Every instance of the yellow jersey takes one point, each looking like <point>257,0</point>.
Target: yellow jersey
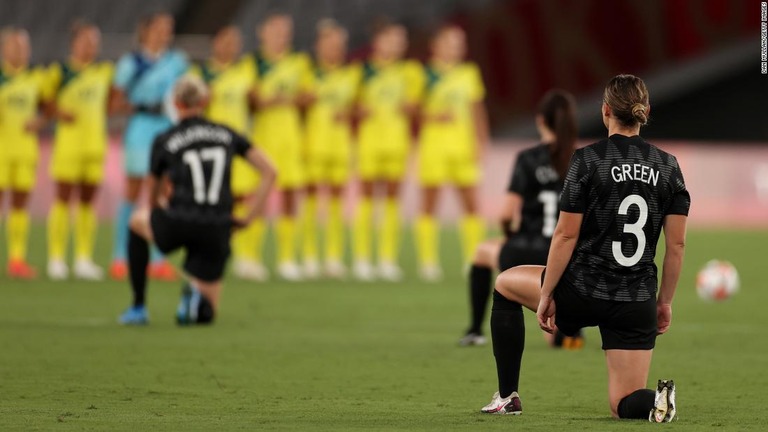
<point>451,93</point>
<point>83,92</point>
<point>385,90</point>
<point>21,92</point>
<point>289,76</point>
<point>229,88</point>
<point>327,120</point>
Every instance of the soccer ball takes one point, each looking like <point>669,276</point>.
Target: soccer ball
<point>718,280</point>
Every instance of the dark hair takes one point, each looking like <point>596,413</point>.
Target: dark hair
<point>558,108</point>
<point>628,98</point>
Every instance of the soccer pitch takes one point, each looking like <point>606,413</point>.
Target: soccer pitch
<point>356,356</point>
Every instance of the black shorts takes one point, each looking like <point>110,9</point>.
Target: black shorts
<point>623,325</point>
<point>515,253</point>
<point>206,244</point>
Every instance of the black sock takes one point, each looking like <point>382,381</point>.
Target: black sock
<point>636,405</point>
<point>479,293</point>
<point>205,312</point>
<point>138,259</point>
<point>508,334</point>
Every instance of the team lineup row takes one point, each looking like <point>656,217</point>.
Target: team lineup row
<point>309,115</point>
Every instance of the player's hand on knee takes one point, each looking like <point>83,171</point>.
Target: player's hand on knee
<point>545,314</point>
<point>663,317</point>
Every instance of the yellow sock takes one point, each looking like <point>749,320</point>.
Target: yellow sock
<point>362,227</point>
<point>472,233</point>
<point>389,239</point>
<point>286,239</point>
<point>310,229</point>
<point>18,233</point>
<point>427,239</point>
<point>86,224</point>
<point>58,231</point>
<point>334,231</point>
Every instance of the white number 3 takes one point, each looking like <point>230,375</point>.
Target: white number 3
<point>635,229</point>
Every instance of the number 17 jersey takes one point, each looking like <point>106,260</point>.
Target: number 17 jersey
<point>624,187</point>
<point>196,155</point>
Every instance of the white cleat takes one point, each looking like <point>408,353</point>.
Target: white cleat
<point>473,339</point>
<point>664,405</point>
<point>57,270</point>
<point>431,273</point>
<point>88,270</point>
<point>335,270</point>
<point>508,405</point>
<point>311,269</point>
<point>390,272</point>
<point>289,271</point>
<point>363,271</point>
<point>250,270</point>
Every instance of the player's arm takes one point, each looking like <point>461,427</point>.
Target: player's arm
<point>511,214</point>
<point>479,112</point>
<point>155,186</point>
<point>674,235</point>
<point>560,252</point>
<point>267,176</point>
<point>480,120</point>
<point>573,203</point>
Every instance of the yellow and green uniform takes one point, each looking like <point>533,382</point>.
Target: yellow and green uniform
<point>327,129</point>
<point>79,148</point>
<point>448,149</point>
<point>384,135</point>
<point>383,146</point>
<point>80,145</point>
<point>328,141</point>
<point>21,91</point>
<point>230,86</point>
<point>278,129</point>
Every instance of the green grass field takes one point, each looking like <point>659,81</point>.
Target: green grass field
<point>348,356</point>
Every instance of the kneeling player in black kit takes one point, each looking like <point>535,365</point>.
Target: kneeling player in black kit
<point>195,158</point>
<point>618,195</point>
<point>529,214</point>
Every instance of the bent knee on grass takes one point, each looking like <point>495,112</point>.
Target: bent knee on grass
<point>521,284</point>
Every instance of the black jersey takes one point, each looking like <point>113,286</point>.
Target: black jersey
<point>624,187</point>
<point>197,157</point>
<point>537,182</point>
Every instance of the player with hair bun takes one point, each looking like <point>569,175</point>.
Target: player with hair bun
<point>618,195</point>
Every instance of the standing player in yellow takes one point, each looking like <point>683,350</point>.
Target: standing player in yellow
<point>79,93</point>
<point>231,80</point>
<point>284,80</point>
<point>453,131</point>
<point>21,91</point>
<point>388,94</point>
<point>328,151</point>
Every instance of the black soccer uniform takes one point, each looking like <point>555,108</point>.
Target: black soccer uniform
<point>533,178</point>
<point>624,187</point>
<point>196,155</point>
